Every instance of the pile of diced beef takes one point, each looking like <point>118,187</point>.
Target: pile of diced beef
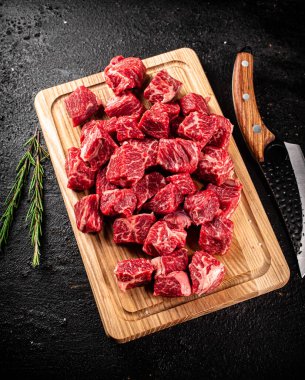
<point>155,173</point>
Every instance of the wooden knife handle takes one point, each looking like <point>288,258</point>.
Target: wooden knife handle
<point>256,134</point>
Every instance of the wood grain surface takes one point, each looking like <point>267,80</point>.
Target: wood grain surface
<point>256,134</point>
<point>255,263</point>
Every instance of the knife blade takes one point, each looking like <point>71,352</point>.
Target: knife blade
<point>282,163</point>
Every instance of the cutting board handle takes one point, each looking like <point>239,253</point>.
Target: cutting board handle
<point>256,134</point>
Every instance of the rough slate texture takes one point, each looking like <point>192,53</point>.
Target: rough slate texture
<point>49,324</point>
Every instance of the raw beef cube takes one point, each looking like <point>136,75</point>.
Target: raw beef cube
<point>171,109</point>
<point>133,229</point>
<point>178,219</point>
<point>177,261</point>
<point>82,104</point>
<point>203,206</point>
<point>174,284</point>
<point>166,200</point>
<point>178,155</point>
<point>162,88</point>
<point>184,182</point>
<point>118,202</point>
<point>194,103</point>
<point>155,124</point>
<point>198,127</point>
<point>126,165</point>
<point>148,186</point>
<point>223,131</point>
<point>80,175</point>
<point>206,273</point>
<point>110,124</point>
<point>97,146</point>
<point>127,128</point>
<point>215,166</point>
<point>124,74</point>
<point>124,105</point>
<point>163,240</point>
<point>87,214</point>
<point>101,183</point>
<point>150,146</point>
<point>132,273</point>
<point>229,194</point>
<point>216,236</point>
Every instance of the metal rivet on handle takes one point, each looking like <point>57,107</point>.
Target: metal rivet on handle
<point>246,96</point>
<point>245,63</point>
<point>257,128</point>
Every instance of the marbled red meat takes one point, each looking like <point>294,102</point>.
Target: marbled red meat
<point>198,127</point>
<point>127,128</point>
<point>184,182</point>
<point>147,187</point>
<point>194,103</point>
<point>215,166</point>
<point>126,165</point>
<point>133,273</point>
<point>174,284</point>
<point>178,155</point>
<point>171,109</point>
<point>162,88</point>
<point>202,206</point>
<point>216,236</point>
<point>87,214</point>
<point>162,240</point>
<point>101,183</point>
<point>166,200</point>
<point>177,261</point>
<point>124,74</point>
<point>81,104</point>
<point>155,124</point>
<point>118,202</point>
<point>150,146</point>
<point>124,105</point>
<point>206,272</point>
<point>80,175</point>
<point>133,229</point>
<point>96,144</point>
<point>229,194</point>
<point>178,219</point>
<point>182,139</point>
<point>223,131</point>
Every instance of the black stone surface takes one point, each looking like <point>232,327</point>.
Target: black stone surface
<point>49,323</point>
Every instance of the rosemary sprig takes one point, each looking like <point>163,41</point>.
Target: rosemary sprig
<point>35,212</point>
<point>34,156</point>
<point>13,199</point>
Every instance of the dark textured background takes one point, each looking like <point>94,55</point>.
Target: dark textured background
<point>49,323</point>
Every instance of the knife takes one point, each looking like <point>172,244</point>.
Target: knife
<point>282,163</point>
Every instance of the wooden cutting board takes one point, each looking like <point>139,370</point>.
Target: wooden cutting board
<point>255,263</point>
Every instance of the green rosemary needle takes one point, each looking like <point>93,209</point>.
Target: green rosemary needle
<point>13,199</point>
